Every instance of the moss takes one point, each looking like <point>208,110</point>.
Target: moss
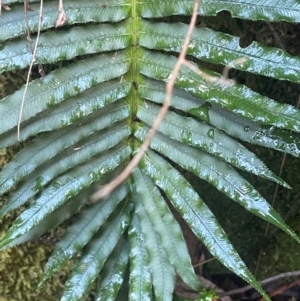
<point>20,271</point>
<point>282,253</point>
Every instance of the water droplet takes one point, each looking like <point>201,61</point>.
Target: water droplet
<point>211,133</point>
<point>257,136</point>
<point>293,147</point>
<point>186,136</point>
<point>124,225</point>
<point>207,105</point>
<point>202,112</point>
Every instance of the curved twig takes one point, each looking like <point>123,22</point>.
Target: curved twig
<point>268,280</point>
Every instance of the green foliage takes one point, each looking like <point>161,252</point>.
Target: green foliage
<point>84,121</point>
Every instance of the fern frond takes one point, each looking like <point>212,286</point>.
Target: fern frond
<point>163,273</point>
<point>64,187</point>
<point>80,233</point>
<point>66,45</point>
<point>56,217</point>
<point>166,228</point>
<point>250,9</point>
<point>220,175</point>
<point>209,139</point>
<point>234,125</point>
<point>73,111</point>
<point>96,253</point>
<point>84,121</point>
<point>219,48</point>
<point>140,276</point>
<point>113,273</point>
<point>236,98</point>
<point>13,25</point>
<point>196,214</point>
<point>41,150</point>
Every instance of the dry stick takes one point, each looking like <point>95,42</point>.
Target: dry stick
<point>207,77</point>
<point>62,18</point>
<point>30,68</point>
<point>203,262</point>
<point>26,24</point>
<point>268,280</point>
<point>231,65</point>
<point>26,8</point>
<point>108,188</point>
<point>281,289</point>
<point>224,80</point>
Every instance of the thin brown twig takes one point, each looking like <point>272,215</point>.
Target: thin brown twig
<point>268,280</point>
<point>30,67</point>
<point>234,63</point>
<point>224,80</point>
<point>203,262</point>
<point>281,289</point>
<point>62,18</point>
<point>28,37</point>
<point>208,78</point>
<point>108,188</point>
<point>26,24</point>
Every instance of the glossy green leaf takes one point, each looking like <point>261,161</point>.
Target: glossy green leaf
<point>232,124</point>
<point>84,40</point>
<point>96,253</point>
<point>167,228</point>
<point>220,48</point>
<point>220,175</point>
<point>64,187</point>
<point>267,10</point>
<point>113,273</point>
<point>207,138</point>
<point>53,219</point>
<point>196,214</point>
<point>211,87</point>
<point>59,85</point>
<point>73,154</point>
<point>102,82</point>
<point>73,112</point>
<point>14,25</point>
<point>163,274</point>
<point>80,233</point>
<point>140,277</point>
